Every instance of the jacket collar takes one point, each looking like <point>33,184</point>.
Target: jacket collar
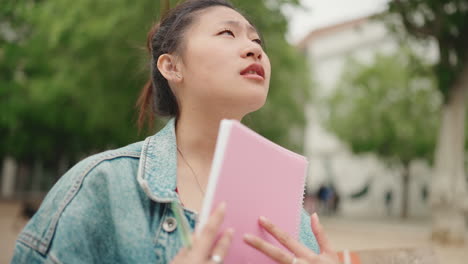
<point>157,170</point>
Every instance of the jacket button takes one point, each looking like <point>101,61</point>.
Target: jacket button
<point>170,224</point>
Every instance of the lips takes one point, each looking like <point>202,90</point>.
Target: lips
<point>254,70</point>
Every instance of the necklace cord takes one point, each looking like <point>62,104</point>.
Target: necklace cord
<point>194,174</point>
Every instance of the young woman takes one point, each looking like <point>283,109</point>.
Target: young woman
<point>115,207</point>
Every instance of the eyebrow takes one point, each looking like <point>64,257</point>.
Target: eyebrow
<point>238,24</point>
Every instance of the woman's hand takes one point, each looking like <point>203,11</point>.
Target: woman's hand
<point>302,254</point>
<point>205,248</point>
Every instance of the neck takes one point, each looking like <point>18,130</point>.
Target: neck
<point>196,135</point>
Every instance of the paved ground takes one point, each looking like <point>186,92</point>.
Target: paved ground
<point>10,225</point>
<point>344,234</point>
<point>375,234</point>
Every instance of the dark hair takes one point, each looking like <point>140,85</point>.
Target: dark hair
<point>156,96</point>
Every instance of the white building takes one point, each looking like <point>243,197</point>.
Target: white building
<point>327,50</point>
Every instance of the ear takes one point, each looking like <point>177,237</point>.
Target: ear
<point>168,67</point>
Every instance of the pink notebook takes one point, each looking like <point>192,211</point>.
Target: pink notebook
<point>255,177</point>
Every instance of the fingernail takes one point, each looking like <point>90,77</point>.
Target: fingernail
<point>315,215</point>
<point>230,230</point>
<point>263,219</point>
<point>222,206</point>
<point>248,236</point>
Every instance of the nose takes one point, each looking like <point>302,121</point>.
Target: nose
<point>252,50</point>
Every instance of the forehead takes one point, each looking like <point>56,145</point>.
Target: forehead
<point>219,15</point>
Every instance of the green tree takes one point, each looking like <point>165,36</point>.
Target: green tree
<point>445,23</point>
<point>388,107</point>
<point>71,73</point>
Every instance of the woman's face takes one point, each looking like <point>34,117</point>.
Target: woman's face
<point>223,64</point>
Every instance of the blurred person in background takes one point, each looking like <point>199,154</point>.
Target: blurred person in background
<point>207,63</point>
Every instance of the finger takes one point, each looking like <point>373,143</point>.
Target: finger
<point>285,239</point>
<point>302,261</point>
<point>207,237</point>
<point>275,253</point>
<point>181,255</point>
<point>222,246</point>
<point>183,252</point>
<point>319,233</point>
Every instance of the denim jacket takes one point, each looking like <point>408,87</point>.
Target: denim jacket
<point>114,207</point>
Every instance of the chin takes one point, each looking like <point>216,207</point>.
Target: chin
<point>254,102</point>
<point>246,100</point>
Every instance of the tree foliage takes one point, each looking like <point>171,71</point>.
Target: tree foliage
<point>446,23</point>
<point>389,107</point>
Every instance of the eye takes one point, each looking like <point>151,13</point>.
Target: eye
<point>226,32</point>
<point>258,41</point>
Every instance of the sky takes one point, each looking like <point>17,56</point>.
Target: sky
<point>319,13</point>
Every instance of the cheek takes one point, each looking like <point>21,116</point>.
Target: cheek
<point>207,57</point>
<point>210,68</point>
<point>268,66</point>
